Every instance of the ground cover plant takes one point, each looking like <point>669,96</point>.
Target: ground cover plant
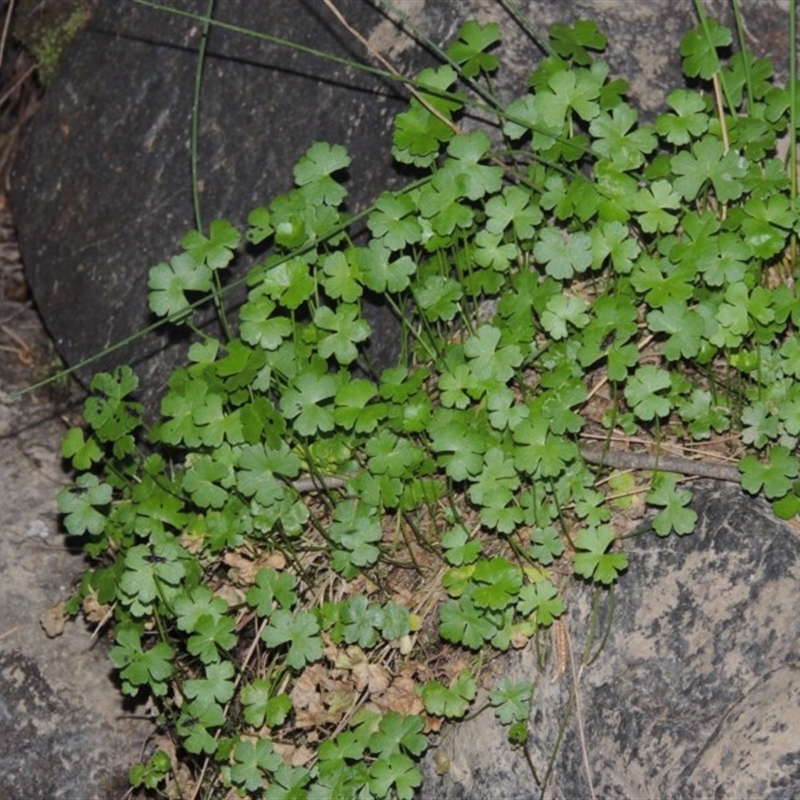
<point>308,566</point>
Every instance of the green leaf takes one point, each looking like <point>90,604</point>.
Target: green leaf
<point>398,772</point>
<point>150,575</point>
<point>81,505</point>
<point>418,134</point>
<point>391,455</point>
<point>258,325</point>
<point>362,622</point>
<point>522,116</point>
<point>616,139</point>
<point>504,408</point>
<point>382,275</point>
<point>207,482</point>
<point>307,402</point>
<point>392,220</point>
<point>168,284</point>
<point>540,454</point>
<point>260,227</point>
<point>767,224</point>
<point>440,203</point>
<point>195,603</point>
<point>577,198</point>
<point>690,120</point>
<point>613,239</point>
<point>699,49</point>
<point>661,281</point>
<point>82,452</point>
<point>288,783</point>
<point>342,277</point>
<point>151,774</point>
<point>353,408</point>
<point>569,91</point>
<point>356,531</point>
<point>395,621</point>
<point>685,328</point>
<point>209,636</point>
<point>492,253</point>
<point>347,746</point>
<point>139,667</point>
<point>258,466</point>
<point>469,50</point>
<point>347,329</point>
<point>288,282</point>
<point>193,726</point>
<point>574,41</point>
<point>214,423</point>
<point>314,171</point>
<point>271,590</point>
<point>466,151</point>
<point>708,161</point>
<point>592,561</point>
<point>216,250</point>
<point>451,702</point>
<point>563,254</point>
<point>516,207</point>
<point>497,482</point>
<point>705,412</point>
<point>733,317</point>
<point>300,631</point>
<point>642,393</point>
<point>775,478</point>
<point>462,454</point>
<point>512,701</point>
<point>217,686</point>
<point>487,359</point>
<point>320,161</point>
<point>563,311</point>
<point>397,734</point>
<point>462,623</point>
<point>498,583</point>
<point>262,706</point>
<point>459,547</point>
<point>438,297</point>
<point>651,204</point>
<point>787,507</point>
<point>253,762</point>
<point>675,515</point>
<point>541,598</point>
<point>546,545</point>
<point>760,425</point>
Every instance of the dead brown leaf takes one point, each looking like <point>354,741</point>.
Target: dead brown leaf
<point>53,620</point>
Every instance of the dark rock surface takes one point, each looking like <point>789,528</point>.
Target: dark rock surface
<point>696,693</point>
<point>102,190</point>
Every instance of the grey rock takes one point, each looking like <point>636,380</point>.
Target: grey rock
<point>695,693</point>
<point>64,729</point>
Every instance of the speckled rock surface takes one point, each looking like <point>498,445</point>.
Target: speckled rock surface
<point>696,693</point>
<point>64,730</point>
<point>102,190</point>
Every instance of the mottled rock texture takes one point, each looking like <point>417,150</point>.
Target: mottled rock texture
<point>64,730</point>
<point>696,692</point>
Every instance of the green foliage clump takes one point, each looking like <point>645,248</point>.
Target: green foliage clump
<point>291,536</point>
